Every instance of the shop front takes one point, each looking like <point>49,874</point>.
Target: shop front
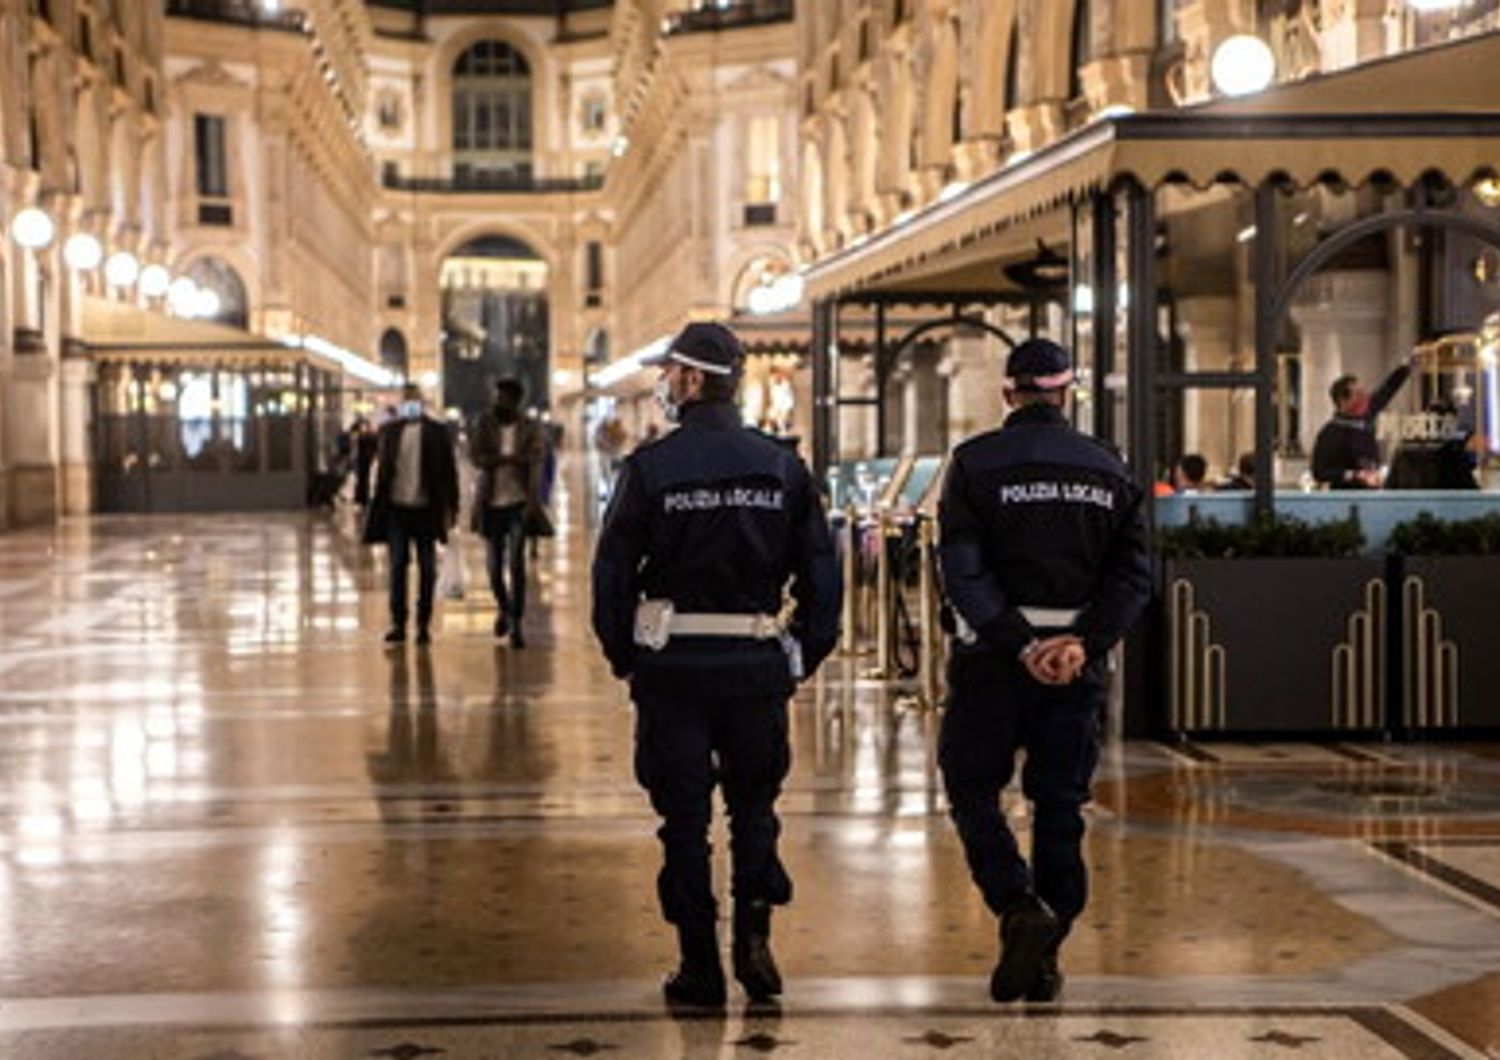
<point>191,417</point>
<point>1222,267</point>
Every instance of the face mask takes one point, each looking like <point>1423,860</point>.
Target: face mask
<point>411,409</point>
<point>669,406</point>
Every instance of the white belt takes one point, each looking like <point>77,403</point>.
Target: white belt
<point>761,627</point>
<point>656,623</point>
<point>1050,617</point>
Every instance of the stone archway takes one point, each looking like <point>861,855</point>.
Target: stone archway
<point>495,321</point>
<point>232,300</point>
<point>393,351</point>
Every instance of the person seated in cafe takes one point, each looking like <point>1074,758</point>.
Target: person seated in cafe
<point>1190,475</point>
<point>1244,474</point>
<point>1346,455</point>
<point>1435,452</point>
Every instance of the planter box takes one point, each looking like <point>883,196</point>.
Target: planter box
<point>1276,646</point>
<point>1449,662</point>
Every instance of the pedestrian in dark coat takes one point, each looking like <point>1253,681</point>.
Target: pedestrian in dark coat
<point>414,505</point>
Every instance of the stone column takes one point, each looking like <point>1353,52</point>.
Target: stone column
<point>1356,31</point>
<point>857,424</point>
<point>30,420</point>
<point>76,385</point>
<point>1345,322</point>
<point>1118,80</point>
<point>31,436</point>
<point>11,202</point>
<point>73,409</point>
<point>1219,424</point>
<point>976,402</point>
<point>1034,127</point>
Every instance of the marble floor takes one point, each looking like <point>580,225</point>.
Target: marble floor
<point>233,825</point>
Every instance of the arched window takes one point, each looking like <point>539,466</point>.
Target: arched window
<point>1081,47</point>
<point>393,350</point>
<point>216,275</point>
<point>491,113</point>
<point>1012,98</point>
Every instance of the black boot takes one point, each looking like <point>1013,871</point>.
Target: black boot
<point>754,966</point>
<point>1049,981</point>
<point>1028,930</point>
<point>699,979</point>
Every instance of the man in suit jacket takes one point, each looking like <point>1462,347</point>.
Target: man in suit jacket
<point>414,505</point>
<point>510,453</point>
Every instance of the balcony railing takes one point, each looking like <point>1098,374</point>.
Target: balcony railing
<point>733,16</point>
<point>492,182</point>
<point>250,13</point>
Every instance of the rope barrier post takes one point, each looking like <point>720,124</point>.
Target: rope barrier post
<point>927,604</point>
<point>848,636</point>
<point>884,599</point>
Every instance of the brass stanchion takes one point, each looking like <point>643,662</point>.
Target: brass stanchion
<point>884,600</point>
<point>929,659</point>
<point>848,635</point>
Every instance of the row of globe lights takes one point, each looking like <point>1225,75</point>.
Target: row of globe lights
<point>35,230</point>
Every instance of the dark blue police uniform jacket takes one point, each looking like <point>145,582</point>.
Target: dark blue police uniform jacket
<point>716,518</point>
<point>1037,514</point>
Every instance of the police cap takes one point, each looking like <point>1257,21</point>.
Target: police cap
<point>709,347</point>
<point>1038,365</point>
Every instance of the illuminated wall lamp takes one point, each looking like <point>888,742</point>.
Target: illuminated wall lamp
<point>122,269</point>
<point>33,229</point>
<point>155,281</point>
<point>83,252</point>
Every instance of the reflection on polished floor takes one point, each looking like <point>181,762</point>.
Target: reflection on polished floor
<point>234,826</point>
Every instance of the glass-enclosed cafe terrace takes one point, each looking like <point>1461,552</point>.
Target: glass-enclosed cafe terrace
<point>1216,270</point>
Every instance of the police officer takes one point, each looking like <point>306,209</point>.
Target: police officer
<point>1045,566</point>
<point>705,529</point>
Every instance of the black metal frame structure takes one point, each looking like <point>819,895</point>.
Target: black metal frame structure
<point>1124,219</point>
<point>829,398</point>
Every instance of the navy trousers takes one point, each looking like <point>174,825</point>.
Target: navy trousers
<point>995,710</point>
<point>505,556</point>
<point>411,531</point>
<point>685,744</point>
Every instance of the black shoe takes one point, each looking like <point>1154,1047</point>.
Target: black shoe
<point>1049,981</point>
<point>502,626</point>
<point>1027,931</point>
<point>696,985</point>
<point>396,635</point>
<point>517,638</point>
<point>424,637</point>
<point>754,966</point>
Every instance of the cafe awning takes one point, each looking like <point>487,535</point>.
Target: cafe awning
<point>113,327</point>
<point>1437,110</point>
<point>118,330</point>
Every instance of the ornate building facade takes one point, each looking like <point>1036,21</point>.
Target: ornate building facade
<point>83,109</point>
<point>441,191</point>
<point>702,192</point>
<point>452,190</point>
<point>910,110</point>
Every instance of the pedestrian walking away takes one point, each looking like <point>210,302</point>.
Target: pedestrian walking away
<point>1045,567</point>
<point>706,529</point>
